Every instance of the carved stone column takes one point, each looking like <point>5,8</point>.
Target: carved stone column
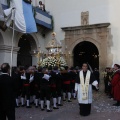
<point>5,54</point>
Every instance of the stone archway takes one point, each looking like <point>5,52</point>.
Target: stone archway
<point>98,34</point>
<point>83,55</point>
<point>27,44</point>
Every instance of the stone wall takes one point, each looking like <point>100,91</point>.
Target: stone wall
<point>98,34</point>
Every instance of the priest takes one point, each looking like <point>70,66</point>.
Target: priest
<point>83,86</point>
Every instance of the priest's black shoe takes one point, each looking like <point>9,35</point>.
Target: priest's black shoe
<point>69,101</point>
<point>116,104</point>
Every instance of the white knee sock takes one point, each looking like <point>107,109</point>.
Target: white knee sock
<point>17,102</point>
<point>42,104</point>
<point>36,102</point>
<point>74,95</point>
<point>22,101</point>
<point>28,102</point>
<point>59,100</point>
<point>69,95</point>
<point>64,95</point>
<point>54,102</point>
<point>48,105</point>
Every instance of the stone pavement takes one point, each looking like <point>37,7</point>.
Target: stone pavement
<point>102,109</point>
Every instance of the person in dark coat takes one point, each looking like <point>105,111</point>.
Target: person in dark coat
<point>26,78</point>
<point>53,74</point>
<point>17,84</point>
<point>45,90</point>
<point>58,84</point>
<point>37,79</point>
<point>72,77</point>
<point>7,98</point>
<point>66,84</point>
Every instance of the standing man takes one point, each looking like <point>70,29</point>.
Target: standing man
<point>17,84</point>
<point>83,87</point>
<point>66,84</point>
<point>7,98</point>
<point>45,90</point>
<point>116,85</point>
<point>72,77</point>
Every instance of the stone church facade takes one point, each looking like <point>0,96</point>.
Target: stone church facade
<point>74,22</point>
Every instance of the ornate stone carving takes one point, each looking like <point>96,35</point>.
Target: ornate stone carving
<point>85,18</point>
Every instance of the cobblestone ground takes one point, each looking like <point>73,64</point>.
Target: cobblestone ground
<point>102,109</point>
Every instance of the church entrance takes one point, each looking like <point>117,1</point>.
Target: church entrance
<point>26,44</point>
<point>86,52</point>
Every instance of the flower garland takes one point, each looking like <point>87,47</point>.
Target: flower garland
<point>52,61</point>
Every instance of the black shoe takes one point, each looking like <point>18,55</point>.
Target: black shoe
<point>116,104</point>
<point>55,108</point>
<point>60,105</point>
<point>22,105</point>
<point>28,107</point>
<point>49,110</point>
<point>36,106</point>
<point>64,100</point>
<point>45,106</point>
<point>42,109</point>
<point>69,101</point>
<point>17,106</point>
<point>74,98</point>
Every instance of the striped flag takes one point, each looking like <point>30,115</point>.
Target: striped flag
<point>24,19</point>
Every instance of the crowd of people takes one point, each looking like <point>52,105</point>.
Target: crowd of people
<point>112,83</point>
<point>39,86</point>
<point>49,86</point>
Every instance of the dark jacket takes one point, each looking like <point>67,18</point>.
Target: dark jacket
<point>7,98</point>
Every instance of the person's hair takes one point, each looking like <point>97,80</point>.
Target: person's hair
<point>40,2</point>
<point>77,68</point>
<point>66,67</point>
<point>56,68</point>
<point>44,70</point>
<point>5,67</point>
<point>22,68</point>
<point>40,69</point>
<point>85,63</point>
<point>50,68</point>
<point>34,66</point>
<point>72,68</point>
<point>117,65</point>
<point>15,69</point>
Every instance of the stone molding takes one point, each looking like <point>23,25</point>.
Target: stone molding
<point>7,49</point>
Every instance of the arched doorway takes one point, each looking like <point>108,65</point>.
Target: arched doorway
<point>86,52</point>
<point>26,44</point>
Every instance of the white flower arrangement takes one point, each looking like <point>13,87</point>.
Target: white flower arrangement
<point>52,61</point>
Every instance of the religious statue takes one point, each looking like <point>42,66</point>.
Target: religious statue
<point>85,18</point>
